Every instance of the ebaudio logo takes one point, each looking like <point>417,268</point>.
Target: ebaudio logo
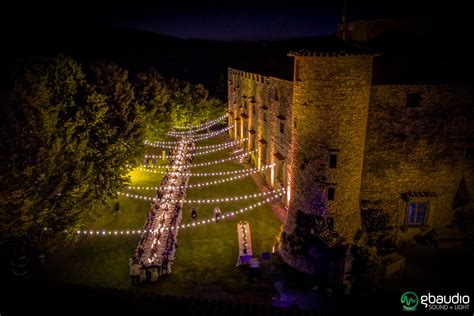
<point>409,301</point>
<point>456,302</point>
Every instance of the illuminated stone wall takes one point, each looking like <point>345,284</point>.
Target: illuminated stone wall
<point>260,109</point>
<point>417,146</point>
<point>386,149</point>
<point>330,107</point>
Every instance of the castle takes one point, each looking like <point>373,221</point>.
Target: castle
<point>405,149</point>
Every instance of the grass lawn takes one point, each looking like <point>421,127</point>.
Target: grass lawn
<point>207,255</point>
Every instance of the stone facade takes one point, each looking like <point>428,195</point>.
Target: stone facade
<point>260,110</point>
<point>342,144</point>
<point>330,108</point>
<point>418,147</point>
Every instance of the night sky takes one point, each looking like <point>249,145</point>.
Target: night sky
<point>218,20</point>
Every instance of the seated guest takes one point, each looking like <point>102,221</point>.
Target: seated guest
<point>164,265</point>
<point>154,273</point>
<point>193,213</point>
<point>217,213</point>
<point>140,251</point>
<point>135,271</point>
<point>148,275</point>
<point>143,274</point>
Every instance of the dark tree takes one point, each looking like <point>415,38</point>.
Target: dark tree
<point>65,147</point>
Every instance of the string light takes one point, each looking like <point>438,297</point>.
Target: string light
<point>204,201</point>
<point>163,144</point>
<point>199,153</point>
<point>136,196</point>
<point>115,232</point>
<point>198,137</point>
<point>226,144</point>
<point>212,134</point>
<point>206,174</point>
<point>166,143</point>
<point>231,214</point>
<point>194,130</point>
<point>222,144</point>
<point>204,163</point>
<point>227,215</point>
<point>204,184</point>
<point>222,160</point>
<point>203,125</point>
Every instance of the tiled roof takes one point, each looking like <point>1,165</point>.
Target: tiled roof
<point>421,194</point>
<point>332,47</point>
<point>335,52</point>
<point>418,194</point>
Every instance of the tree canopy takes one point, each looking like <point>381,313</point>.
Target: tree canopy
<point>70,134</point>
<point>174,103</point>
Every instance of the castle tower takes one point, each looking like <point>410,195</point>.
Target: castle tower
<point>330,108</point>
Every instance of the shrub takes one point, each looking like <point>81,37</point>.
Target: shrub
<point>367,269</point>
<point>374,220</point>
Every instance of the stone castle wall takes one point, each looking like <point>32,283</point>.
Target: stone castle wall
<point>260,108</point>
<point>418,149</point>
<point>392,143</point>
<point>330,108</point>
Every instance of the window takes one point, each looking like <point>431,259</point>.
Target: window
<point>417,213</point>
<point>332,161</point>
<point>294,123</point>
<point>264,116</point>
<point>297,69</point>
<point>281,170</point>
<point>264,154</point>
<point>253,108</point>
<point>282,127</point>
<point>413,100</point>
<point>331,194</point>
<point>469,153</point>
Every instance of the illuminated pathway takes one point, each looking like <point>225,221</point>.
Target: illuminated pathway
<point>157,245</point>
